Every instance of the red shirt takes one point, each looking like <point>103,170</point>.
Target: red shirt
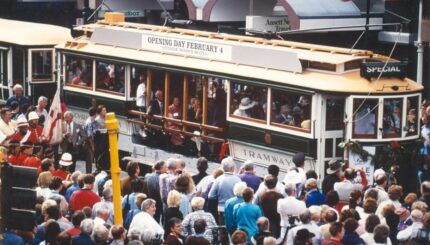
<point>60,173</point>
<point>17,137</point>
<point>75,231</point>
<point>35,133</point>
<point>331,241</point>
<point>32,161</point>
<point>17,159</point>
<point>83,198</point>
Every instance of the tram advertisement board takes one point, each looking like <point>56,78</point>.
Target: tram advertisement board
<point>356,161</point>
<point>370,70</point>
<point>265,156</point>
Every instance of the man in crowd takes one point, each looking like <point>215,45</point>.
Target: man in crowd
<point>84,197</point>
<point>18,97</point>
<point>90,127</point>
<point>74,138</point>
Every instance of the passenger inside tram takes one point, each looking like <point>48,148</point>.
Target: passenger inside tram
<point>175,113</point>
<point>392,116</point>
<point>245,107</point>
<point>411,122</point>
<point>365,119</point>
<point>284,116</point>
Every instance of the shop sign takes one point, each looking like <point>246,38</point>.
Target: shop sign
<point>267,23</point>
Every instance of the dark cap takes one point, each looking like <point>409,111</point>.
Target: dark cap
<point>304,234</point>
<point>299,158</point>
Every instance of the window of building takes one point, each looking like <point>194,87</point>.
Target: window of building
<point>110,77</point>
<point>248,102</point>
<point>365,118</point>
<point>392,119</point>
<point>79,72</point>
<point>41,65</point>
<point>291,110</point>
<point>411,126</point>
<point>335,108</point>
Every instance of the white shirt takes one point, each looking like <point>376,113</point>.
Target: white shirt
<point>316,240</point>
<point>144,221</point>
<point>280,188</point>
<point>203,185</point>
<point>141,95</point>
<point>290,206</point>
<point>345,188</point>
<point>98,221</point>
<point>381,206</point>
<point>382,194</point>
<point>409,232</point>
<point>368,239</point>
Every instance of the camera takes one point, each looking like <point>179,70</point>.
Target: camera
<point>157,240</point>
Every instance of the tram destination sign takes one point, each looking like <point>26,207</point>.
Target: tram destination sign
<point>265,156</point>
<point>371,70</point>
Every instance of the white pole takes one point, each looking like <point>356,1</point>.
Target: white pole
<point>420,46</point>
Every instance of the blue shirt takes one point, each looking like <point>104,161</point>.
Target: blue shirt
<point>251,180</point>
<point>131,200</point>
<point>228,213</point>
<point>352,239</point>
<point>70,191</point>
<point>314,197</point>
<point>246,216</point>
<point>90,127</point>
<point>82,240</point>
<point>11,238</point>
<point>21,101</point>
<point>222,189</point>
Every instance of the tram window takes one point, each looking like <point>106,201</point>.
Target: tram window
<point>411,117</point>
<point>174,110</point>
<point>328,148</point>
<point>338,151</point>
<point>216,109</point>
<point>392,120</point>
<point>334,114</point>
<point>247,101</point>
<point>19,68</point>
<point>79,72</point>
<point>291,110</point>
<point>110,77</point>
<point>364,120</point>
<point>41,64</point>
<point>195,97</point>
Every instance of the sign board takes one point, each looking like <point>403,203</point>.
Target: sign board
<point>189,47</point>
<point>264,156</point>
<point>355,161</point>
<point>370,70</point>
<point>132,13</point>
<point>267,23</point>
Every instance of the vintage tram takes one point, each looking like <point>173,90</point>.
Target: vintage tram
<point>265,99</point>
<point>27,57</point>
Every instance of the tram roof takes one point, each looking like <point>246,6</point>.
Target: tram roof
<point>332,82</point>
<point>28,33</point>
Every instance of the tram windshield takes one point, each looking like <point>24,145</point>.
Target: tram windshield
<point>41,64</point>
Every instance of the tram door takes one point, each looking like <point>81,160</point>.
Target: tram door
<point>4,90</point>
<point>332,128</point>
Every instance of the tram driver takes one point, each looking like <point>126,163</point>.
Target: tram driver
<point>365,121</point>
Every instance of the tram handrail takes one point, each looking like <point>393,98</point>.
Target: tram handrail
<point>209,139</point>
<point>178,122</point>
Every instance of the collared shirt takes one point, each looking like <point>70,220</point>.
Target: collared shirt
<point>191,218</point>
<point>167,183</point>
<point>222,189</point>
<point>251,180</point>
<point>7,128</point>
<point>91,127</point>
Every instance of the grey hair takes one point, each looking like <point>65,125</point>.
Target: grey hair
<point>228,164</point>
<point>147,203</point>
<point>290,188</point>
<point>238,188</point>
<point>68,113</point>
<point>147,235</point>
<point>269,241</point>
<point>171,163</point>
<point>101,234</point>
<point>305,217</point>
<point>42,98</point>
<point>48,203</point>
<point>248,165</point>
<point>102,210</point>
<point>107,193</point>
<point>75,176</point>
<point>87,226</point>
<point>197,203</point>
<point>134,234</point>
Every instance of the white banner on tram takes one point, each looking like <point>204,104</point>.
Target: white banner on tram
<point>355,161</point>
<point>265,156</point>
<point>189,47</point>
